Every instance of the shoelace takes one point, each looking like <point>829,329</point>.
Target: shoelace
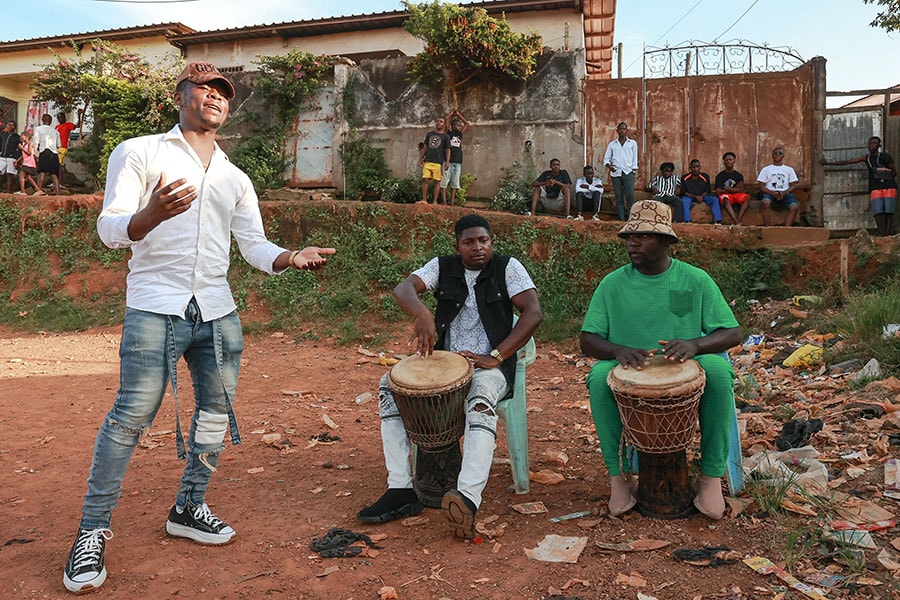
<point>88,547</point>
<point>202,513</point>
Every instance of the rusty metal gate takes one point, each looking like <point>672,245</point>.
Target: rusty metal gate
<point>311,144</point>
<point>845,198</point>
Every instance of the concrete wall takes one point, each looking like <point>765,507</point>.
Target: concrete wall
<point>396,115</point>
<point>681,118</point>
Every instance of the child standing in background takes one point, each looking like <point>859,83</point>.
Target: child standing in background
<point>28,167</point>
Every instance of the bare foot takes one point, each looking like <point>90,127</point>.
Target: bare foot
<point>710,500</point>
<point>621,499</point>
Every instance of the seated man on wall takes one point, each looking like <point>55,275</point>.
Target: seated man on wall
<point>588,192</point>
<point>695,187</point>
<point>660,305</point>
<point>730,189</point>
<point>666,188</point>
<point>551,188</point>
<point>778,182</point>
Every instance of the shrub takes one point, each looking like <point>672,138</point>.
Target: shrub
<point>514,192</point>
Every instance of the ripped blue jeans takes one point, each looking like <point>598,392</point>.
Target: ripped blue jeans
<point>151,347</point>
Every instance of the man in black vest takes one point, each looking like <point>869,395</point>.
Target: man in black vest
<point>476,293</point>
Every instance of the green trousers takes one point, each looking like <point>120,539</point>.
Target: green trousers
<point>716,409</point>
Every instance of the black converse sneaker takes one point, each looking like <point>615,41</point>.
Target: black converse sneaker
<point>199,524</point>
<point>85,571</point>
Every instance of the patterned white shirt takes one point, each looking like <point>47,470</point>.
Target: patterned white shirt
<point>466,331</point>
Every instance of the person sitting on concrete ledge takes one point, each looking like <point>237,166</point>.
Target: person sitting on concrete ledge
<point>666,188</point>
<point>730,189</point>
<point>588,193</point>
<point>551,188</point>
<point>778,182</point>
<point>695,187</point>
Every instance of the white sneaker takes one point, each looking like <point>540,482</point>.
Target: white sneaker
<point>596,217</point>
<point>527,213</point>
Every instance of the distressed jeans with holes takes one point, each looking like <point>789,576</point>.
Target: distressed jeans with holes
<point>151,345</point>
<point>488,387</point>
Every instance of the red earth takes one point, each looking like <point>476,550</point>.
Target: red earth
<point>56,388</point>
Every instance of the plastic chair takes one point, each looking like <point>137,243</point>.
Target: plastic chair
<point>734,465</point>
<point>515,418</point>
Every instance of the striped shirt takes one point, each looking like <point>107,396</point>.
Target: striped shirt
<point>665,185</point>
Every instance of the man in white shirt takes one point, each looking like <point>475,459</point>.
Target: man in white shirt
<point>588,192</point>
<point>178,304</point>
<point>46,137</point>
<point>621,160</point>
<point>778,182</point>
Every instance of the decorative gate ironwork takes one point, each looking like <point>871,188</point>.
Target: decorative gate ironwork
<point>701,58</point>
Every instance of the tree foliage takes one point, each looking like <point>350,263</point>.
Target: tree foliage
<point>888,18</point>
<point>123,94</point>
<point>291,80</point>
<point>464,43</point>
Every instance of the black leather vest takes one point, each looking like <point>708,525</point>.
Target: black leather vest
<point>491,296</point>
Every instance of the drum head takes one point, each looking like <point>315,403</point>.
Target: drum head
<point>660,372</point>
<point>439,370</point>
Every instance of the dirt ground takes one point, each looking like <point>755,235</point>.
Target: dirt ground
<point>56,389</point>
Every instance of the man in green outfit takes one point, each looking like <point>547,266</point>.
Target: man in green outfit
<point>660,305</point>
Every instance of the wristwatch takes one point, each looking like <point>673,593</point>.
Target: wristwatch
<point>496,354</point>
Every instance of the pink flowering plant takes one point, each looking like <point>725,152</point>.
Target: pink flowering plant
<point>291,80</point>
<point>115,93</point>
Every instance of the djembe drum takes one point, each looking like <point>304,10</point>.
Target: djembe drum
<point>659,406</point>
<point>430,393</point>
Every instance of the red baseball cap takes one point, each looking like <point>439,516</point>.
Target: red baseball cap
<point>204,72</point>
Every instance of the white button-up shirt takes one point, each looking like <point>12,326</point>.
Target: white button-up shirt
<point>624,157</point>
<point>188,255</point>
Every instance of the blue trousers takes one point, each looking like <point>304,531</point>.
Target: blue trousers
<point>151,347</point>
<point>714,206</point>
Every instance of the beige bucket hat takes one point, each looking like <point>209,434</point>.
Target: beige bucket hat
<point>649,216</point>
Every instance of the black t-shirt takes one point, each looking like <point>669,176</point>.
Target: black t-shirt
<point>454,138</point>
<point>875,161</point>
<point>695,186</point>
<point>562,177</point>
<point>728,180</point>
<point>435,147</point>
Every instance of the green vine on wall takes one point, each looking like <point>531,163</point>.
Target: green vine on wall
<point>287,83</point>
<point>120,92</point>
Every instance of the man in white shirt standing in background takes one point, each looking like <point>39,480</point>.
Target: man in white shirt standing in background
<point>179,304</point>
<point>621,159</point>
